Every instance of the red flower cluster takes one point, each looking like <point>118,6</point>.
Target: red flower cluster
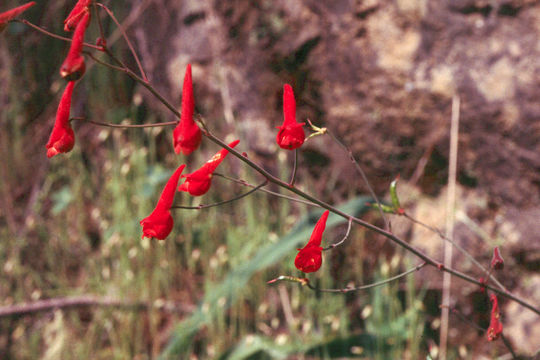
<point>160,222</point>
<point>495,326</point>
<point>291,135</point>
<point>309,258</point>
<point>73,67</point>
<point>13,13</point>
<point>187,135</point>
<point>62,137</point>
<point>197,183</point>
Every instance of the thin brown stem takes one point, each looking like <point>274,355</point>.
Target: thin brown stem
<point>16,310</point>
<point>127,126</point>
<point>124,34</point>
<point>100,25</point>
<point>364,177</point>
<point>202,206</point>
<point>342,240</point>
<point>295,165</point>
<point>245,183</point>
<point>457,246</point>
<point>48,33</point>
<point>369,286</point>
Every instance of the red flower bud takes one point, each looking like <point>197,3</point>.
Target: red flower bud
<point>73,67</point>
<point>62,137</point>
<point>495,326</point>
<point>13,13</point>
<point>198,183</point>
<point>309,258</point>
<point>160,222</point>
<point>291,135</point>
<point>75,16</point>
<point>187,135</point>
<point>497,261</point>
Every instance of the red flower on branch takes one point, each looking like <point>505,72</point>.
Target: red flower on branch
<point>495,326</point>
<point>309,258</point>
<point>497,261</point>
<point>62,137</point>
<point>76,14</point>
<point>291,135</point>
<point>198,183</point>
<point>159,223</point>
<point>187,135</point>
<point>73,67</point>
<point>13,13</point>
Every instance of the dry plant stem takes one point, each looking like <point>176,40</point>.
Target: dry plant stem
<point>119,126</point>
<point>457,246</point>
<point>450,220</point>
<point>48,33</point>
<point>100,25</point>
<point>369,286</point>
<point>245,183</point>
<point>293,176</point>
<point>202,206</point>
<point>120,27</point>
<point>364,177</point>
<point>82,301</point>
<point>342,240</point>
<point>329,207</point>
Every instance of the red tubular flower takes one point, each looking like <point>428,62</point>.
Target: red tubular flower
<point>62,137</point>
<point>73,67</point>
<point>309,258</point>
<point>80,8</point>
<point>187,135</point>
<point>495,326</point>
<point>160,222</point>
<point>497,261</point>
<point>13,13</point>
<point>291,135</point>
<point>197,183</point>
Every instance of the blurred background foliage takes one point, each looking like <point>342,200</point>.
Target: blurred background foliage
<point>69,225</point>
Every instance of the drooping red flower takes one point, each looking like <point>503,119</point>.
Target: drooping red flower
<point>495,326</point>
<point>13,13</point>
<point>497,261</point>
<point>197,183</point>
<point>73,67</point>
<point>62,136</point>
<point>187,135</point>
<point>159,223</point>
<point>76,14</point>
<point>291,134</point>
<point>309,258</point>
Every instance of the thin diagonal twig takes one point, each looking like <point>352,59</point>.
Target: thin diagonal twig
<point>202,206</point>
<point>124,34</point>
<point>369,286</point>
<point>126,126</point>
<point>342,240</point>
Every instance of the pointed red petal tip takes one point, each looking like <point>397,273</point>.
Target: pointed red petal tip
<point>198,183</point>
<point>309,258</point>
<point>74,67</point>
<point>76,14</point>
<point>187,136</point>
<point>159,223</point>
<point>497,261</point>
<point>62,138</point>
<point>13,13</point>
<point>291,134</point>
